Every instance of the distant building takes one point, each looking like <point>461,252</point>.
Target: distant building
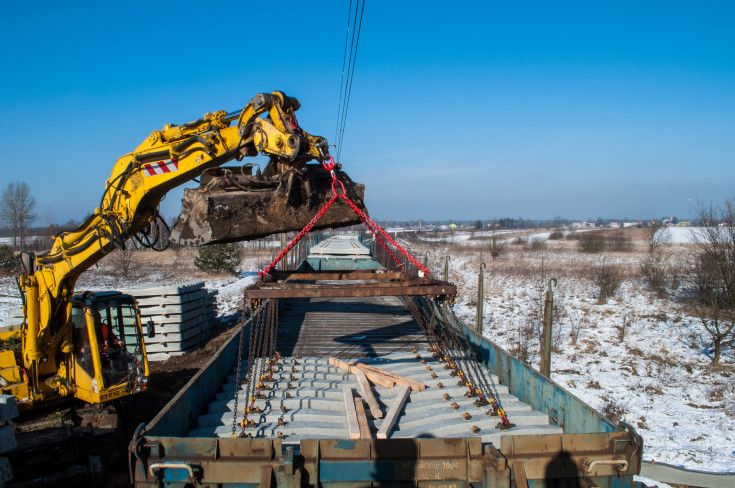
<point>583,225</point>
<point>684,223</point>
<point>614,225</point>
<point>635,223</point>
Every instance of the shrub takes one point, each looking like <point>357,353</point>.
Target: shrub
<point>497,246</point>
<point>619,242</point>
<point>219,258</point>
<point>538,245</point>
<point>519,241</point>
<point>612,409</point>
<point>592,242</point>
<point>573,236</point>
<point>654,270</point>
<point>556,235</point>
<point>608,278</point>
<point>8,261</point>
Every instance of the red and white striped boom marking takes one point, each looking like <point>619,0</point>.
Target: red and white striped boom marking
<point>161,167</point>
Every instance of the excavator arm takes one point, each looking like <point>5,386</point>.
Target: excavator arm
<point>129,205</point>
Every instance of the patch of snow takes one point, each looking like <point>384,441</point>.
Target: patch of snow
<point>680,235</point>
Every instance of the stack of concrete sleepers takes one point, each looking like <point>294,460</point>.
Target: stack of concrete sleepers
<point>14,320</point>
<point>8,411</point>
<point>184,315</point>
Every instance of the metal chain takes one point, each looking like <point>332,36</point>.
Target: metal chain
<point>237,375</point>
<point>374,228</point>
<point>259,340</point>
<point>366,220</point>
<point>254,324</point>
<point>298,237</point>
<point>457,354</point>
<point>488,392</point>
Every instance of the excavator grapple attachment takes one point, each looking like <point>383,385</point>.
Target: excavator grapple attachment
<point>231,204</point>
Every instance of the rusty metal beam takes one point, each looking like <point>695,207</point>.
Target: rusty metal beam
<point>299,286</point>
<point>336,275</point>
<point>411,288</point>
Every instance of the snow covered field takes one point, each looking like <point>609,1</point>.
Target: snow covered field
<point>654,373</point>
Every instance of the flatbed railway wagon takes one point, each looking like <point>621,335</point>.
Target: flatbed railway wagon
<point>350,374</point>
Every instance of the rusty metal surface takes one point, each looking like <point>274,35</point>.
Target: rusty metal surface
<point>286,290</point>
<point>242,210</point>
<point>333,284</point>
<point>336,275</point>
<point>574,456</point>
<point>435,463</point>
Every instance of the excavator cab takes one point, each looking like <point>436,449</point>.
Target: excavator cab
<point>109,357</point>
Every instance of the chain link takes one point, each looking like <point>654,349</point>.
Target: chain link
<point>238,384</point>
<point>296,239</point>
<point>372,226</point>
<point>261,352</point>
<point>458,354</point>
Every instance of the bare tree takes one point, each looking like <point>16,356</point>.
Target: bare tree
<point>123,258</point>
<point>720,326</point>
<point>16,210</point>
<point>497,244</point>
<point>714,259</point>
<point>714,274</point>
<point>655,267</point>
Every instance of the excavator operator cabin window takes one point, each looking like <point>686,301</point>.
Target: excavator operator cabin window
<point>82,350</point>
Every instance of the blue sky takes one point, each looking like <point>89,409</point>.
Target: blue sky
<point>458,110</point>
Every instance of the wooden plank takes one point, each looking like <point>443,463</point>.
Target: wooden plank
<point>398,379</point>
<point>367,394</point>
<point>395,409</point>
<point>352,425</point>
<point>362,420</point>
<point>375,378</point>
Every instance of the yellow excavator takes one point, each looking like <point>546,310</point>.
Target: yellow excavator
<point>90,346</point>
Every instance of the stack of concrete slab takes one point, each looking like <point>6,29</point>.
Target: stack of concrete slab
<point>184,315</point>
<point>13,321</point>
<point>8,411</point>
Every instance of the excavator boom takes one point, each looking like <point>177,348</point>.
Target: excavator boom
<point>231,204</point>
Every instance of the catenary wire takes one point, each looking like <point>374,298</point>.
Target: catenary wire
<point>346,87</point>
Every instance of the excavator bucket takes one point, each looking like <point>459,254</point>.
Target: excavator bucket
<point>232,204</point>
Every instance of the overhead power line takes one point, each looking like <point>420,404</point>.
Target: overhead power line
<point>353,40</point>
